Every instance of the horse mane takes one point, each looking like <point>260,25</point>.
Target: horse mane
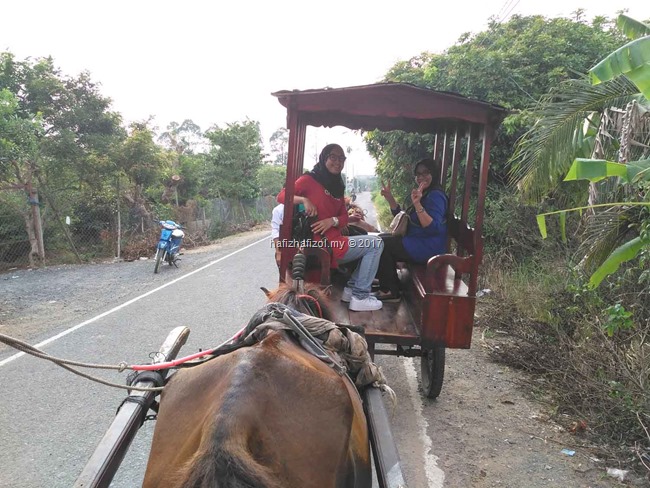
<point>222,467</point>
<point>286,295</point>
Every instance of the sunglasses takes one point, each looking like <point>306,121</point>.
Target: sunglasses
<point>334,157</point>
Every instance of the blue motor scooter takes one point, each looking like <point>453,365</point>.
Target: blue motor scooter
<point>169,245</point>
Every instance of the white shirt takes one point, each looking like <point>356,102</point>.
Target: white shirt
<point>276,221</point>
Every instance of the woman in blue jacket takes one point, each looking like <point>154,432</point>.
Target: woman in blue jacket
<point>427,229</point>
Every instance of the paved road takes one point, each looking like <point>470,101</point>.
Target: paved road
<point>51,421</point>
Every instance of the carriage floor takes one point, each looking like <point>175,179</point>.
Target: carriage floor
<point>393,324</point>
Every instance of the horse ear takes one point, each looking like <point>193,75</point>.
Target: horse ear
<point>266,292</point>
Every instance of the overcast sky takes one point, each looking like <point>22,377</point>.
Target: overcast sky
<point>218,62</point>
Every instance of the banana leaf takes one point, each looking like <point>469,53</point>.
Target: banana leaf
<point>595,170</point>
<point>631,60</point>
<point>541,223</point>
<point>633,29</point>
<point>621,254</point>
<point>541,218</point>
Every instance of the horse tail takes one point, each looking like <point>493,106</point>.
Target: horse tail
<point>226,464</point>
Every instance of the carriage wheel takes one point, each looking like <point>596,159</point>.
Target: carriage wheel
<point>432,367</point>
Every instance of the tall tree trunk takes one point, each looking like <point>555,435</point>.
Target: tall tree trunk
<point>34,224</point>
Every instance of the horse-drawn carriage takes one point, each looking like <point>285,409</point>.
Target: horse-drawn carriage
<point>437,308</point>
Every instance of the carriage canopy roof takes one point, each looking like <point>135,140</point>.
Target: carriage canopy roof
<point>389,106</point>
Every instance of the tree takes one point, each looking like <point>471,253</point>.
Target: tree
<point>61,134</point>
<point>511,64</point>
<point>144,163</point>
<point>19,153</point>
<point>279,141</point>
<point>271,179</point>
<point>183,140</point>
<point>233,161</point>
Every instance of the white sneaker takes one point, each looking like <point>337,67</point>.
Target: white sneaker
<point>365,305</point>
<point>347,295</point>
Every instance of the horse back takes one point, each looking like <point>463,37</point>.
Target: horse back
<point>271,415</point>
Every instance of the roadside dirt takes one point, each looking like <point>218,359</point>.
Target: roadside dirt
<point>486,430</point>
<point>493,431</point>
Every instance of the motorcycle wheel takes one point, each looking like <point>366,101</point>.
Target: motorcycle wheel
<point>159,257</point>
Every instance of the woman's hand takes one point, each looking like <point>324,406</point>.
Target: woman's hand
<point>322,225</point>
<point>310,208</point>
<point>385,191</point>
<point>416,195</point>
<point>388,195</point>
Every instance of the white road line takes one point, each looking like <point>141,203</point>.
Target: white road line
<point>435,475</point>
<point>126,304</point>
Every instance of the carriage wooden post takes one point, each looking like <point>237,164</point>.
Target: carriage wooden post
<point>437,309</point>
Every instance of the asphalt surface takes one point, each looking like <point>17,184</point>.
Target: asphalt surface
<point>51,420</point>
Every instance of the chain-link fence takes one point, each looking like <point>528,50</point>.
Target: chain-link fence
<point>80,231</point>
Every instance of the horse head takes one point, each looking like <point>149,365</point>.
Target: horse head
<point>311,300</point>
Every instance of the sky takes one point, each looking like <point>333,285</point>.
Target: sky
<point>218,62</point>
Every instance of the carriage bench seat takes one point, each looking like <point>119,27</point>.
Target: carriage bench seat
<point>447,309</point>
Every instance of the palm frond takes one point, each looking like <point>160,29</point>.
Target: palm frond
<point>544,154</point>
<point>601,236</point>
<point>606,231</point>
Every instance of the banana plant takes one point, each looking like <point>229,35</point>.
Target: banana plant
<point>632,61</point>
<point>595,170</point>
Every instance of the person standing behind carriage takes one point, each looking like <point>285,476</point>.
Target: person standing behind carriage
<point>426,235</point>
<point>276,221</point>
<point>321,192</point>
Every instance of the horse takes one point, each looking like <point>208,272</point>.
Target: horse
<point>270,415</point>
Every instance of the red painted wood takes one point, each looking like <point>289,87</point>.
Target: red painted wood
<point>388,106</point>
<point>446,156</point>
<point>439,307</point>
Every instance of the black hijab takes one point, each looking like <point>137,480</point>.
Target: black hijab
<point>332,183</point>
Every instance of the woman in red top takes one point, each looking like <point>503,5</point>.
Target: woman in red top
<point>321,192</point>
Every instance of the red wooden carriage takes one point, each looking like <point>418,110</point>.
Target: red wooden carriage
<point>437,310</point>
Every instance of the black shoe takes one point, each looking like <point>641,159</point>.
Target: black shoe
<point>388,296</point>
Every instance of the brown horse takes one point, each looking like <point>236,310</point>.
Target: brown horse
<point>269,415</point>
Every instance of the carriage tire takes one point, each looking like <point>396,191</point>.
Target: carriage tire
<point>432,367</point>
<point>159,257</point>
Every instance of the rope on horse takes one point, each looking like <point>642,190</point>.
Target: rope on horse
<point>66,363</point>
<point>315,334</point>
<point>348,350</point>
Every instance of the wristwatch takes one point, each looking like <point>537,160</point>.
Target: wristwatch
<point>336,221</point>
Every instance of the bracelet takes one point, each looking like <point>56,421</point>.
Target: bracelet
<point>420,211</point>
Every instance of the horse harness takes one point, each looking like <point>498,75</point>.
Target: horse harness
<point>276,316</point>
